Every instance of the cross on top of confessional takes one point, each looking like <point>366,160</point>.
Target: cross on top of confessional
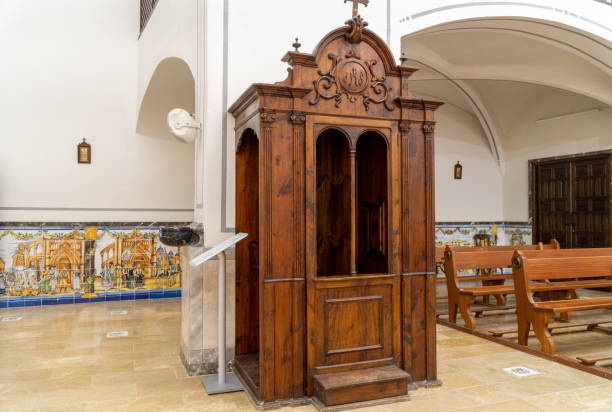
<point>356,4</point>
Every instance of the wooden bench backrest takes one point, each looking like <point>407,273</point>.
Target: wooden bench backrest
<point>440,251</point>
<point>552,253</point>
<point>578,266</point>
<point>568,264</point>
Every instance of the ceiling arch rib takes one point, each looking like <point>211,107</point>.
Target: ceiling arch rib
<point>520,50</point>
<point>487,122</point>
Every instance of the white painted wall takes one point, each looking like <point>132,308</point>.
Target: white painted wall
<point>70,70</point>
<point>578,133</point>
<point>478,196</point>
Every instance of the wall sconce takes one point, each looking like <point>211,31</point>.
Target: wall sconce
<point>84,152</point>
<point>458,170</point>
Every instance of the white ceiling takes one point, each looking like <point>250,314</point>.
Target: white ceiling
<point>510,70</point>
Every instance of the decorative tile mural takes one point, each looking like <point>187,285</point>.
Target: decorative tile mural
<point>47,266</point>
<point>462,234</point>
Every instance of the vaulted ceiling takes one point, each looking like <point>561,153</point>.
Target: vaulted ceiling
<point>509,70</point>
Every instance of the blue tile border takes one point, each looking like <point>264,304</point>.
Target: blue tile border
<point>49,300</point>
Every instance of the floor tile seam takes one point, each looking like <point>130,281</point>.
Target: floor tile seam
<point>558,393</point>
<point>489,404</point>
<point>443,390</point>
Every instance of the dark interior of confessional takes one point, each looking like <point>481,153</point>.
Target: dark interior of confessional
<point>334,182</point>
<point>247,256</point>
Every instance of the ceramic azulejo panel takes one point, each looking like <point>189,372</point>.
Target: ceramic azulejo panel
<point>67,265</point>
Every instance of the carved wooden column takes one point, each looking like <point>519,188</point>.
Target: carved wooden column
<point>298,119</point>
<point>430,285</point>
<point>267,118</point>
<point>353,246</point>
<point>266,350</point>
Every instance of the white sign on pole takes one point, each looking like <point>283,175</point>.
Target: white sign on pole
<point>210,253</point>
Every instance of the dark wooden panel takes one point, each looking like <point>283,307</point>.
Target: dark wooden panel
<point>352,321</point>
<point>553,203</point>
<point>591,204</point>
<point>333,203</point>
<point>353,324</point>
<point>372,199</point>
<point>282,187</point>
<point>247,252</point>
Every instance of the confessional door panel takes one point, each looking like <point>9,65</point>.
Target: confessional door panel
<point>353,318</point>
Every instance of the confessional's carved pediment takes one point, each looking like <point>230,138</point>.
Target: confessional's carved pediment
<point>353,67</point>
<point>353,78</point>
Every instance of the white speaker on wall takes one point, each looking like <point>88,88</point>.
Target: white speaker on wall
<point>183,125</point>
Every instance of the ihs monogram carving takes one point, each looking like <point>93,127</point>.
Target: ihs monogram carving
<point>429,127</point>
<point>267,116</point>
<point>297,117</point>
<point>352,77</point>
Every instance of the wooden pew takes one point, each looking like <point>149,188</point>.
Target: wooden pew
<point>440,251</point>
<point>461,258</point>
<point>533,273</point>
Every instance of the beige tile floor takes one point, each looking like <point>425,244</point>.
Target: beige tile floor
<point>59,359</point>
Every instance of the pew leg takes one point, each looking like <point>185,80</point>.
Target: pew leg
<point>523,331</point>
<point>540,327</point>
<point>501,300</point>
<point>466,313</point>
<point>452,310</point>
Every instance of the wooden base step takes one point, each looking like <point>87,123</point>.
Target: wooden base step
<point>361,385</point>
<point>593,358</point>
<point>593,325</point>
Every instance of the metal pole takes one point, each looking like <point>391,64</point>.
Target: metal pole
<point>221,374</point>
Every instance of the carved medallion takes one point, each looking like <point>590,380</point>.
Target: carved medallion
<point>354,78</point>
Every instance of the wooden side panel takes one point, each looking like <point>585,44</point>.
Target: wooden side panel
<point>418,257</point>
<point>247,252</point>
<point>281,220</point>
<point>282,276</point>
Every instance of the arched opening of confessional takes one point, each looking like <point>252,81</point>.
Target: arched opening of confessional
<point>247,252</point>
<point>333,208</point>
<point>372,203</point>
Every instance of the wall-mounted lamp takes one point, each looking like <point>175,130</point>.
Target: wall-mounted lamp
<point>458,170</point>
<point>84,152</point>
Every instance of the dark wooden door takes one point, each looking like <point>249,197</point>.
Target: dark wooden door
<point>553,203</point>
<point>572,201</point>
<point>591,202</point>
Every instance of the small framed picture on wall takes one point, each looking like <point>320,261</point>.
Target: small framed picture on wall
<point>84,152</point>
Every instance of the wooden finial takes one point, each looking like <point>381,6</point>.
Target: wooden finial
<point>356,5</point>
<point>297,45</point>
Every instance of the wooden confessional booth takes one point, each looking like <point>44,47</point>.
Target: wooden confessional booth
<point>335,285</point>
